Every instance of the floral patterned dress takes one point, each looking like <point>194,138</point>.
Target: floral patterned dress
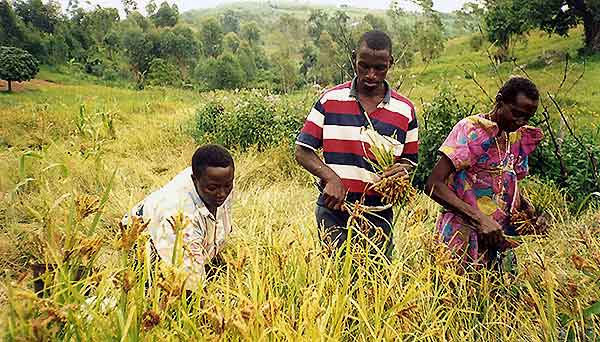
<point>487,171</point>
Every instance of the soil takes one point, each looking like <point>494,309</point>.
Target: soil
<point>22,86</point>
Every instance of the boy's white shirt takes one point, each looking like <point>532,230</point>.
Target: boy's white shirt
<point>204,235</point>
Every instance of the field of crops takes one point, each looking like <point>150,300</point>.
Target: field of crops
<point>75,157</point>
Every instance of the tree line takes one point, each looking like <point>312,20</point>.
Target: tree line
<point>231,49</point>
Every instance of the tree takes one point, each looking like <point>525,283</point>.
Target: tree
<point>326,59</point>
<point>212,37</point>
<point>247,60</point>
<point>309,60</point>
<point>470,16</point>
<point>429,32</point>
<point>16,65</point>
<point>138,49</point>
<point>317,23</point>
<point>166,16</point>
<point>376,22</point>
<point>504,21</point>
<point>150,8</point>
<point>44,17</point>
<point>558,16</point>
<point>249,32</point>
<point>177,45</point>
<point>230,22</point>
<point>402,35</point>
<point>99,22</point>
<point>231,42</point>
<point>11,30</point>
<point>224,72</point>
<point>129,6</point>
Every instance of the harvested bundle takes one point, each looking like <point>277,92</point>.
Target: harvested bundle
<point>394,190</point>
<point>528,223</point>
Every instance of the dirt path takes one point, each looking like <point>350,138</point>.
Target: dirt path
<point>33,84</point>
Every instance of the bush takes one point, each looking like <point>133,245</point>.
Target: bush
<point>257,119</point>
<point>580,180</point>
<point>223,72</point>
<point>476,42</point>
<point>437,121</point>
<point>162,74</point>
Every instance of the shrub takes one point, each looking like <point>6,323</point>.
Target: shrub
<point>162,73</point>
<point>476,42</point>
<point>438,118</point>
<point>256,119</point>
<point>580,181</point>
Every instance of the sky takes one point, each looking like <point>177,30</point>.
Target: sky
<point>185,5</point>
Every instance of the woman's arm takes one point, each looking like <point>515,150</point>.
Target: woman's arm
<point>438,190</point>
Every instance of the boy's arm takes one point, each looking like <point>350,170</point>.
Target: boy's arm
<point>334,192</point>
<point>309,140</point>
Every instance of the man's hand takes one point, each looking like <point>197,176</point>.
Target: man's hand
<point>334,193</point>
<point>490,231</point>
<point>401,169</point>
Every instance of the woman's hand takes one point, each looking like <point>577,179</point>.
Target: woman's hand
<point>490,231</point>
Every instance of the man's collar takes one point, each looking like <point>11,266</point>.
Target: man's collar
<point>199,203</point>
<point>386,98</point>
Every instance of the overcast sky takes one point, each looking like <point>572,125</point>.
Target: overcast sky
<point>184,5</point>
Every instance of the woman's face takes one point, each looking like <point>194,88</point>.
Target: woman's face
<point>512,116</point>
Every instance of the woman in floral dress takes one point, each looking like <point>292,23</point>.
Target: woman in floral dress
<point>476,178</point>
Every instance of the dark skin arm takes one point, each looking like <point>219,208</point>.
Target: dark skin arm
<point>437,189</point>
<point>334,192</point>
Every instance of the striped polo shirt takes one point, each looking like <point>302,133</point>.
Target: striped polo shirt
<point>336,124</point>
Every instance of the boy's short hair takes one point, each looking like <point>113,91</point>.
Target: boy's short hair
<point>517,85</point>
<point>376,40</point>
<point>211,155</point>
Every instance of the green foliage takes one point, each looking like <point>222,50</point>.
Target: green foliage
<point>231,42</point>
<point>256,119</point>
<point>166,16</point>
<point>429,32</point>
<point>212,37</point>
<point>476,42</point>
<point>223,72</point>
<point>17,65</point>
<point>504,21</point>
<point>376,22</point>
<point>317,23</point>
<point>327,70</point>
<point>12,28</point>
<point>470,16</point>
<point>44,17</point>
<point>250,32</point>
<point>163,73</point>
<point>438,119</point>
<point>230,21</point>
<point>137,49</point>
<point>558,16</point>
<point>580,179</point>
<point>403,37</point>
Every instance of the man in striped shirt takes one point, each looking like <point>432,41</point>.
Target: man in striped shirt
<point>336,125</point>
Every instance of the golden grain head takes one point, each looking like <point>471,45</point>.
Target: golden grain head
<point>86,205</point>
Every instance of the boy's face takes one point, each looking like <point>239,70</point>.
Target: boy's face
<point>214,185</point>
<point>372,67</point>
